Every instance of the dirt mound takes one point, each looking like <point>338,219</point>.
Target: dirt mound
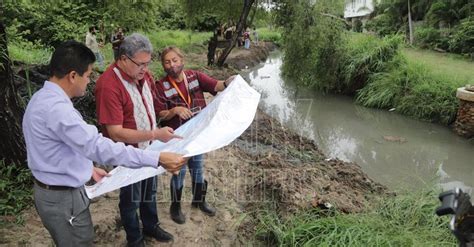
<point>241,58</point>
<point>294,174</point>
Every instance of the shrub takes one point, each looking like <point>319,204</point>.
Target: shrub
<point>364,56</point>
<point>384,88</point>
<point>462,40</point>
<point>382,25</point>
<point>430,97</point>
<point>412,89</point>
<point>312,44</point>
<point>427,37</point>
<point>15,189</point>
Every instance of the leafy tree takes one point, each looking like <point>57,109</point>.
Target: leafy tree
<point>228,11</point>
<point>312,40</point>
<point>224,10</point>
<point>398,15</point>
<point>51,22</point>
<point>170,15</point>
<point>463,38</point>
<point>394,16</point>
<point>449,12</point>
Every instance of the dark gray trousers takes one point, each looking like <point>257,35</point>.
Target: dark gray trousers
<point>66,215</point>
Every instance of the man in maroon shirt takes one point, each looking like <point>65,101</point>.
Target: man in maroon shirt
<point>125,95</point>
<point>180,97</point>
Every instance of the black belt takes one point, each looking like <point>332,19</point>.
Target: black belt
<point>52,187</point>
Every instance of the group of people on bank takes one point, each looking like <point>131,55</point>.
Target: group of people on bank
<point>243,38</point>
<point>133,109</point>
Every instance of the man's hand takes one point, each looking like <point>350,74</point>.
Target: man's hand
<point>165,134</point>
<point>172,162</point>
<point>98,174</point>
<point>222,85</point>
<point>182,112</point>
<point>229,80</point>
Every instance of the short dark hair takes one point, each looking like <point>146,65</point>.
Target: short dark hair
<point>70,56</point>
<point>91,28</point>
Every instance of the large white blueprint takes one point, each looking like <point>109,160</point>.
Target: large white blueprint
<point>217,125</point>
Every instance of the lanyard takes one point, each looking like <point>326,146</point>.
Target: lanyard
<point>188,102</point>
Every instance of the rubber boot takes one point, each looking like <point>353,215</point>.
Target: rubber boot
<point>199,198</point>
<point>175,208</point>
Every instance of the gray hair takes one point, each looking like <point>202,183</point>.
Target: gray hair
<point>135,43</point>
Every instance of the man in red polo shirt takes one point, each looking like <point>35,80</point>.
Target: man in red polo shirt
<point>125,109</point>
<point>180,97</point>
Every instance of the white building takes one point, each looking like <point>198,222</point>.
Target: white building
<point>358,8</point>
<point>358,11</point>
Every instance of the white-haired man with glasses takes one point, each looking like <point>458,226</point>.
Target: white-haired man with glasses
<point>125,110</point>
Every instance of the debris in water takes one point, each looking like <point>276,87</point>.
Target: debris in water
<point>395,139</point>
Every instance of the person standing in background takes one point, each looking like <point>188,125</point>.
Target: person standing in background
<point>116,40</point>
<point>255,36</point>
<point>91,43</point>
<point>246,37</point>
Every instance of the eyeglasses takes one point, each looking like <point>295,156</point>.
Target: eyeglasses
<point>140,65</point>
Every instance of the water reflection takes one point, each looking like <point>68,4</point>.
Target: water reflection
<point>392,149</point>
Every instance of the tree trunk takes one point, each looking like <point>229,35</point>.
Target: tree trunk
<point>240,26</point>
<point>12,145</point>
<point>410,23</point>
<point>252,17</point>
<point>211,49</point>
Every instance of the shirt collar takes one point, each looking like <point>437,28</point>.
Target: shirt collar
<point>129,79</point>
<point>48,85</point>
<point>125,76</point>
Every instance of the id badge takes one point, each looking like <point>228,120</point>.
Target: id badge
<point>196,110</point>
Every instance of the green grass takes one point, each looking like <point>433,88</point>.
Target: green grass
<point>364,56</point>
<point>267,34</point>
<point>405,220</point>
<point>187,41</point>
<point>459,70</point>
<point>29,53</point>
<point>417,83</point>
<point>415,89</point>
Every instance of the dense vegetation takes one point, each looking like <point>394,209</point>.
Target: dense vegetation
<point>439,24</point>
<point>50,22</point>
<point>321,53</point>
<point>47,23</point>
<point>410,86</point>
